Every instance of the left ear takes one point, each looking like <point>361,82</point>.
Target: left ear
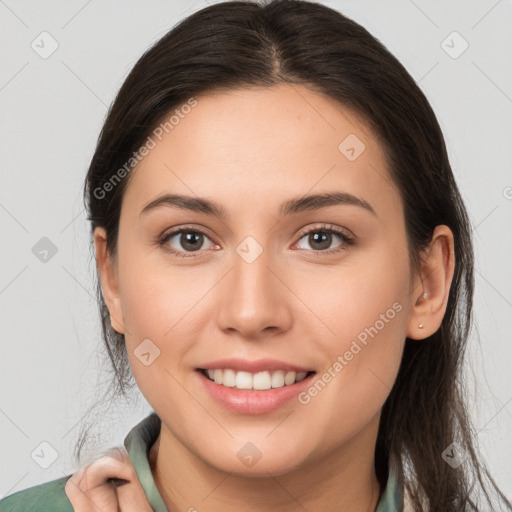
<point>432,286</point>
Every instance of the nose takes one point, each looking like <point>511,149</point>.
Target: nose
<point>255,300</point>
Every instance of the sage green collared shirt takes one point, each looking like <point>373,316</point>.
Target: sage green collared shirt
<point>51,496</point>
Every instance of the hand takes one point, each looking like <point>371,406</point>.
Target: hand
<point>108,484</point>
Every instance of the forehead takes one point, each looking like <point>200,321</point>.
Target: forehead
<point>274,142</point>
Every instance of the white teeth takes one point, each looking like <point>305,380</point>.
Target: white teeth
<point>289,378</point>
<point>243,380</point>
<point>259,381</point>
<point>218,376</point>
<point>278,379</point>
<point>300,376</point>
<point>229,378</point>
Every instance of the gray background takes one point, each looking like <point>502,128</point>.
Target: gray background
<point>52,110</point>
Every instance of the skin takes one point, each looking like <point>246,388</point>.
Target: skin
<point>90,488</point>
<point>250,150</point>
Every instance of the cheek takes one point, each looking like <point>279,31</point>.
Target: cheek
<point>158,314</point>
<point>364,320</point>
<point>159,299</point>
<point>159,318</point>
<point>365,290</point>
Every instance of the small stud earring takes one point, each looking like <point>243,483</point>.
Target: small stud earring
<point>420,326</point>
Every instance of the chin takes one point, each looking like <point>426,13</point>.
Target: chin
<point>247,460</point>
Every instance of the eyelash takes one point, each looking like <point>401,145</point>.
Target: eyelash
<point>324,228</point>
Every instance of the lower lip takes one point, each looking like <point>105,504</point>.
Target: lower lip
<point>253,401</point>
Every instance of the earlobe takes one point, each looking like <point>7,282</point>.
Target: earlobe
<point>431,293</point>
<point>108,277</point>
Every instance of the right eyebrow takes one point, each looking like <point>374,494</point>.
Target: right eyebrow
<point>195,204</point>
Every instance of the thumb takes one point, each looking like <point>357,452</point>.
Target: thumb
<point>110,484</point>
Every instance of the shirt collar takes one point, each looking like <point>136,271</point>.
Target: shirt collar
<point>138,443</point>
<point>141,437</point>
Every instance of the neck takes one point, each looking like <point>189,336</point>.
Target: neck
<point>342,480</point>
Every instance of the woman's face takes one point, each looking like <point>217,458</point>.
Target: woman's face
<point>285,281</point>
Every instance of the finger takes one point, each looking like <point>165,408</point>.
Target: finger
<point>130,494</point>
<point>102,498</point>
<point>108,483</point>
<point>91,487</point>
<point>115,464</point>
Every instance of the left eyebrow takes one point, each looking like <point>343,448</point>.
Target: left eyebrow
<point>317,201</point>
<point>292,206</point>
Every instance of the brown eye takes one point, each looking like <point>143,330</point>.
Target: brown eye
<point>190,240</point>
<point>186,241</point>
<point>321,239</point>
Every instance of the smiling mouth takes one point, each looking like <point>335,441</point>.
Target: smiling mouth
<point>254,381</point>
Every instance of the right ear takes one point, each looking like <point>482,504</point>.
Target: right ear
<point>108,277</point>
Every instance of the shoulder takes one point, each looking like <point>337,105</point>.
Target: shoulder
<point>47,496</point>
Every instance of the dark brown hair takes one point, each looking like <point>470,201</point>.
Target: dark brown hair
<point>242,44</point>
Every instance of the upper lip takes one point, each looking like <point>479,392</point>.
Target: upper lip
<point>260,365</point>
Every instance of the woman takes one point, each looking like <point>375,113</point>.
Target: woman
<point>286,268</point>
